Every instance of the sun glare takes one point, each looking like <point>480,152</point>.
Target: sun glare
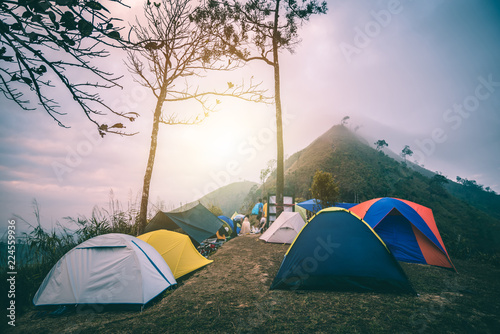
<point>222,146</point>
<point>210,143</point>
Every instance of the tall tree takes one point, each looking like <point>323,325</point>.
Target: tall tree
<point>380,144</point>
<point>48,46</point>
<point>436,185</point>
<point>173,51</point>
<point>260,30</point>
<point>406,152</point>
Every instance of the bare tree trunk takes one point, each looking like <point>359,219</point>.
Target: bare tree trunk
<point>280,171</point>
<point>143,213</point>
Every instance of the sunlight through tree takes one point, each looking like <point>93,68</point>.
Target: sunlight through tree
<point>260,30</point>
<point>173,51</point>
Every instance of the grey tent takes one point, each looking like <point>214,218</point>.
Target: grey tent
<point>197,222</point>
<point>111,268</point>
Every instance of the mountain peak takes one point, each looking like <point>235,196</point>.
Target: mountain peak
<point>363,173</point>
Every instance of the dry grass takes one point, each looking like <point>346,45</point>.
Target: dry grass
<point>232,295</point>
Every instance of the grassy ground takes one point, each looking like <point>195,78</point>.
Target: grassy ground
<point>232,295</point>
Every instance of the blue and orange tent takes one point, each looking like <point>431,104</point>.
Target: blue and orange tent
<point>407,228</point>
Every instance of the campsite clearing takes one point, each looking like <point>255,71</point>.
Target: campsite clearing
<point>232,295</point>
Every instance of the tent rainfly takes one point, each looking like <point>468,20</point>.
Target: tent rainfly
<point>407,228</point>
<point>197,222</point>
<point>108,269</point>
<point>177,250</point>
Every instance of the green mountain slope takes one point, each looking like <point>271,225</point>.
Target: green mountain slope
<point>229,198</point>
<point>486,201</point>
<point>364,173</point>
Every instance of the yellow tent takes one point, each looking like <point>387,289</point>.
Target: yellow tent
<point>177,250</point>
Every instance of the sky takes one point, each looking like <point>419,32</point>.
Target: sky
<point>419,73</point>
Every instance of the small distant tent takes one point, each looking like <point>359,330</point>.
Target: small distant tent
<point>314,205</point>
<point>230,223</point>
<point>284,229</point>
<point>108,269</point>
<point>197,222</point>
<point>177,250</point>
<point>237,216</point>
<point>407,228</point>
<point>338,251</point>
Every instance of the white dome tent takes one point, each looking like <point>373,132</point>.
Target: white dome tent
<point>284,229</point>
<point>108,269</point>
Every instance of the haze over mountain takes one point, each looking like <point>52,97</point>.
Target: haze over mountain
<point>467,216</point>
<point>229,198</point>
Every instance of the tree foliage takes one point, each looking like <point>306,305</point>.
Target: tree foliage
<point>380,144</point>
<point>324,188</point>
<point>436,185</point>
<point>406,152</point>
<point>470,184</point>
<point>255,29</point>
<point>48,46</point>
<point>439,178</point>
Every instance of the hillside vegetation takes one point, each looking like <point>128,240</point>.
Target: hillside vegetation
<point>469,219</point>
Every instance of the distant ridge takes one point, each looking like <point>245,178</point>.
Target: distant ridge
<point>468,218</point>
<point>229,198</point>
